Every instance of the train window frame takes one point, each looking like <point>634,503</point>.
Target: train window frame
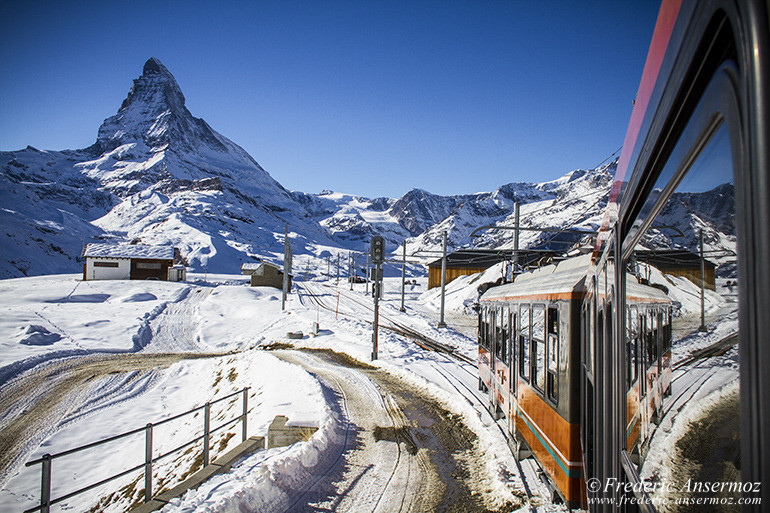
<point>552,354</point>
<point>483,327</point>
<point>525,340</point>
<point>488,326</point>
<point>630,348</point>
<point>513,313</point>
<point>538,357</point>
<point>503,338</point>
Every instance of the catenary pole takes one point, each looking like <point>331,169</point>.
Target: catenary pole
<point>515,239</point>
<point>441,323</point>
<point>702,284</point>
<point>403,278</point>
<point>285,266</point>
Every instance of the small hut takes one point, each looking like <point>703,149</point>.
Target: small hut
<point>267,275</point>
<point>679,262</point>
<point>466,262</point>
<point>121,261</point>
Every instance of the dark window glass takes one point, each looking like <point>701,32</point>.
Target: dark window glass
<point>106,264</point>
<point>524,341</point>
<point>538,340</point>
<point>552,354</point>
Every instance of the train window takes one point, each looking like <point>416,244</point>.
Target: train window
<point>632,347</point>
<point>488,327</point>
<point>649,339</point>
<point>585,329</point>
<point>552,358</point>
<point>512,339</point>
<point>524,341</point>
<point>538,340</point>
<point>481,327</point>
<point>502,341</point>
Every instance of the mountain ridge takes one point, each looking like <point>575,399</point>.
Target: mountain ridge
<point>157,174</point>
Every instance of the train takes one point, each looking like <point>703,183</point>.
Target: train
<point>533,335</point>
<point>576,356</point>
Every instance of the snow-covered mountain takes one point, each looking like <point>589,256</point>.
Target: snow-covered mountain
<point>157,174</point>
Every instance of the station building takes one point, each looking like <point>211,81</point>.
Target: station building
<point>122,261</point>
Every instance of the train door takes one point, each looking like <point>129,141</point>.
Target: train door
<point>587,425</point>
<point>512,322</point>
<point>493,330</point>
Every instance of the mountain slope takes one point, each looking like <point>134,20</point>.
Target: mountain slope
<point>157,174</point>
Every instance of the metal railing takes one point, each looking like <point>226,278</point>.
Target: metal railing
<point>45,492</point>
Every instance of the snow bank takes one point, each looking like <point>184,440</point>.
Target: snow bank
<point>463,292</point>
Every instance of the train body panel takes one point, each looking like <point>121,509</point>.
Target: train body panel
<point>531,331</point>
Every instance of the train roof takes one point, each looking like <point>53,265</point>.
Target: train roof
<point>566,280</point>
<point>557,281</point>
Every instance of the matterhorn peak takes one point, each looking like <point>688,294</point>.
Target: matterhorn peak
<point>154,66</point>
<point>154,113</point>
<point>156,86</point>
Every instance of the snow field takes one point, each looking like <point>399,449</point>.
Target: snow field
<point>277,388</point>
<point>106,316</point>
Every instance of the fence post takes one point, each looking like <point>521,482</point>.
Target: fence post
<point>148,463</point>
<point>206,427</point>
<point>245,411</point>
<point>45,490</point>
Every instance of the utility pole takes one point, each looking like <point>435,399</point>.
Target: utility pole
<point>702,284</point>
<point>403,278</point>
<point>515,240</point>
<point>286,251</point>
<point>351,268</point>
<point>338,268</point>
<point>441,323</point>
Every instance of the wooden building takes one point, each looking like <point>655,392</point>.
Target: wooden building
<point>121,261</point>
<point>248,268</point>
<point>267,275</point>
<point>679,262</point>
<point>465,262</point>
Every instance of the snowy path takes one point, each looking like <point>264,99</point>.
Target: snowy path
<point>176,328</point>
<point>401,451</point>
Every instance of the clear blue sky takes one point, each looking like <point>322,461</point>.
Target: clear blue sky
<point>367,97</point>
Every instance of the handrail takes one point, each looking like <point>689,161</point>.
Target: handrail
<point>45,496</point>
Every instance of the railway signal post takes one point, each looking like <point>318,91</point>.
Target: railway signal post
<point>441,323</point>
<point>377,250</point>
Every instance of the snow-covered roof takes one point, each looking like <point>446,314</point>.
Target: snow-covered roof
<point>112,250</point>
<point>250,266</point>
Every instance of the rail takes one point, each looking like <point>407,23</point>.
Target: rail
<point>45,494</point>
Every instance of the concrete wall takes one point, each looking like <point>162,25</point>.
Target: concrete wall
<point>281,435</point>
<point>94,272</point>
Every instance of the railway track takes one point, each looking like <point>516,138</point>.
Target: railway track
<point>466,392</point>
<point>386,322</point>
<point>716,349</point>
